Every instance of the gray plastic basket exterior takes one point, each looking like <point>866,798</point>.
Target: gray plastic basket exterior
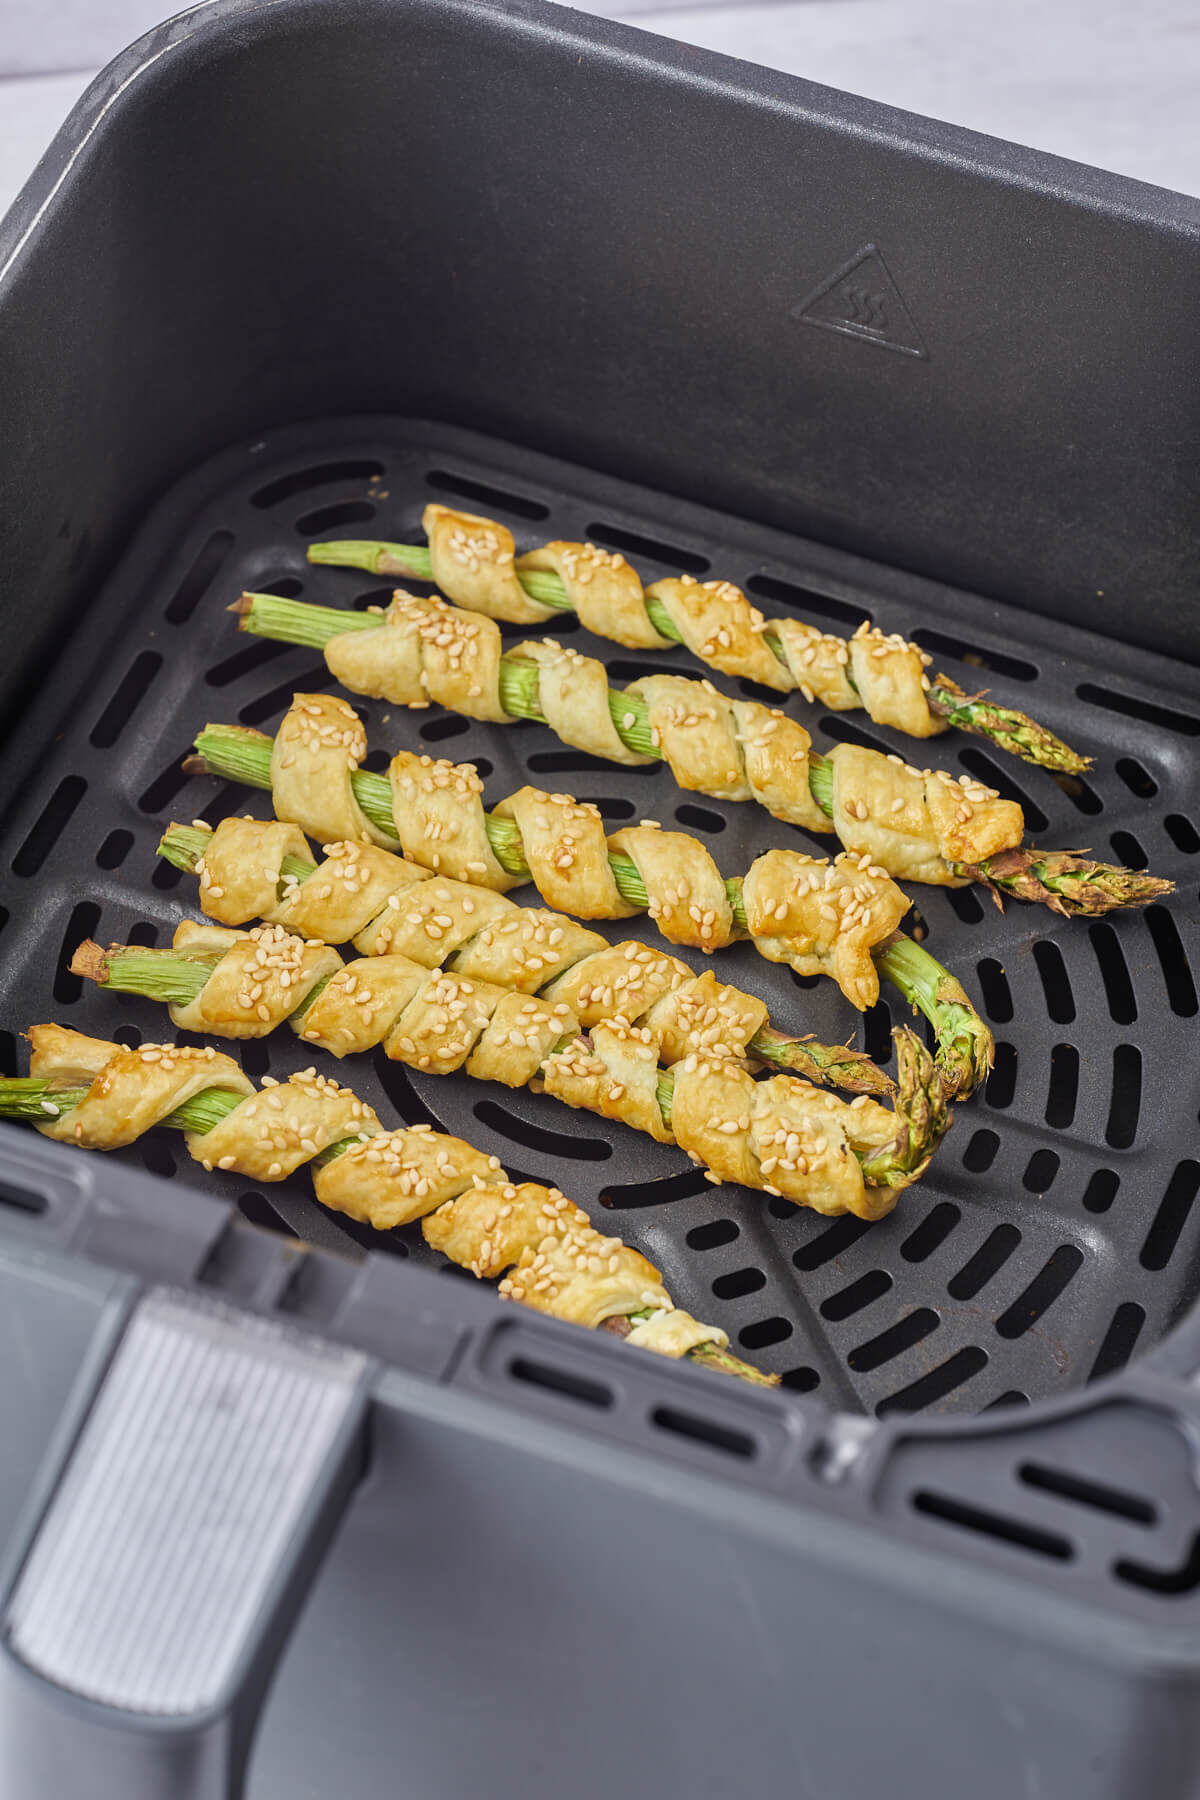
<point>295,269</point>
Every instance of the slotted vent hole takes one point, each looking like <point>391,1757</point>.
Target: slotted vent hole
<point>540,1137</point>
<point>114,849</point>
<point>985,1523</point>
<point>902,1336</point>
<point>303,481</point>
<point>1186,724</point>
<point>632,543</point>
<point>1182,833</point>
<point>980,1152</point>
<point>833,1241</point>
<point>1056,984</point>
<point>1040,1171</point>
<point>713,1235</point>
<point>1050,1281</point>
<point>48,827</point>
<point>1101,1190</point>
<point>1172,1215</point>
<point>764,1333</point>
<point>807,601</point>
<point>1002,1082</point>
<point>334,516</point>
<point>801,1381</point>
<point>1184,1579</point>
<point>1172,957</point>
<point>860,1294</point>
<point>467,487</point>
<point>1114,972</point>
<point>131,691</point>
<point>845,731</point>
<point>1128,850</point>
<point>939,643</point>
<point>877,1032</point>
<point>1126,1103</point>
<point>629,1194</point>
<point>1138,780</point>
<point>199,578</point>
<point>581,762</point>
<point>965,904</point>
<point>738,1283</point>
<point>22,1199</point>
<point>567,1383</point>
<point>699,1430</point>
<point>938,1384</point>
<point>1081,1491</point>
<point>698,818</point>
<point>1120,1340</point>
<point>931,1233</point>
<point>249,661</point>
<point>986,1263</point>
<point>1063,1095</point>
<point>993,985</point>
<point>1081,796</point>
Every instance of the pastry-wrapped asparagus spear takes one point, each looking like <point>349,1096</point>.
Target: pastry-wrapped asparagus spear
<point>540,976</point>
<point>916,824</point>
<point>101,1096</point>
<point>474,563</point>
<point>780,1134</point>
<point>817,917</point>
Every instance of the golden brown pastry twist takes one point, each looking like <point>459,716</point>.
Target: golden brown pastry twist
<point>474,564</point>
<point>819,918</point>
<point>779,1135</point>
<point>472,1212</point>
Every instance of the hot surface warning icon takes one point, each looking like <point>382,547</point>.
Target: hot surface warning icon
<point>861,300</point>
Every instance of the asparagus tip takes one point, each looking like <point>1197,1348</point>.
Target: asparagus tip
<point>1068,882</point>
<point>90,961</point>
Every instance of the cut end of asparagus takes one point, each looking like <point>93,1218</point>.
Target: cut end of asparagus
<point>1067,881</point>
<point>242,605</point>
<point>91,962</point>
<point>1003,726</point>
<point>357,553</point>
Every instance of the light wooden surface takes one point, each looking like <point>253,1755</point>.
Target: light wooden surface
<point>1102,81</point>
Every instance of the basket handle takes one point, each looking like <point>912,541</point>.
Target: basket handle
<point>183,1531</point>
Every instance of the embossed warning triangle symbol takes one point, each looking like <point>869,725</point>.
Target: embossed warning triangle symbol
<point>862,301</point>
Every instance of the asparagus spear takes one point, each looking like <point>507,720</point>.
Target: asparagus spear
<point>922,1115</point>
<point>1066,881</point>
<point>965,1045</point>
<point>25,1098</point>
<point>1003,726</point>
<point>178,975</point>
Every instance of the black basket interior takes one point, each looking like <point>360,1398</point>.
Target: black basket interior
<point>1055,1234</point>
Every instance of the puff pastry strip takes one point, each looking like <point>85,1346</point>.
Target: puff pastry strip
<point>471,1211</point>
<point>885,674</point>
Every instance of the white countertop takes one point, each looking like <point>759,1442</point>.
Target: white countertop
<point>1102,81</point>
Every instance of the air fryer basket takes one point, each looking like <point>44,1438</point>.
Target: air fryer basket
<point>299,268</point>
<point>1054,1234</point>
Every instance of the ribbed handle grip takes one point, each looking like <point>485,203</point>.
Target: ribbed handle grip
<point>178,1546</point>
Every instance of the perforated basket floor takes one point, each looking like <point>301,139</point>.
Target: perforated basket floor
<point>1056,1233</point>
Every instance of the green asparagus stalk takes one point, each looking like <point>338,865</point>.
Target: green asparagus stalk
<point>1051,878</point>
<point>1012,731</point>
<point>26,1098</point>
